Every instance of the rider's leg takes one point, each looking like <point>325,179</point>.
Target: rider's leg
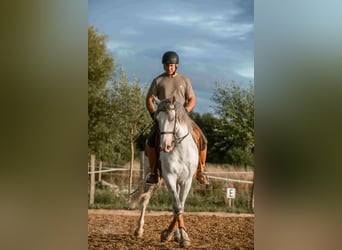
<point>200,168</point>
<point>152,155</point>
<point>202,153</point>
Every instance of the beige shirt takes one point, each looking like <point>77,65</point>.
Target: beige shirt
<point>166,87</point>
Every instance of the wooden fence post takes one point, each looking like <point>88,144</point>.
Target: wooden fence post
<point>252,198</point>
<point>142,165</point>
<point>92,180</point>
<point>100,169</point>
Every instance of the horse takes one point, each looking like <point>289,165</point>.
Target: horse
<point>179,160</point>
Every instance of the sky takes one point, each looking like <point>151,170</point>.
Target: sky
<point>214,40</point>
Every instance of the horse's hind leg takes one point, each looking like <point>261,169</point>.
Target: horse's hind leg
<point>167,234</point>
<point>183,193</point>
<point>139,231</point>
<point>183,240</point>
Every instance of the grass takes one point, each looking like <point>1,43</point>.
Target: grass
<point>198,200</point>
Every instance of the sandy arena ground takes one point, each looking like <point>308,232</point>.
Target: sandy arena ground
<point>114,229</point>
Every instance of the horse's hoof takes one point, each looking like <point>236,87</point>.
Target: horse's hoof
<point>176,236</point>
<point>165,235</point>
<point>185,244</point>
<point>138,234</point>
<point>184,238</point>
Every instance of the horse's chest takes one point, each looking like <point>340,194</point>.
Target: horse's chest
<point>177,165</point>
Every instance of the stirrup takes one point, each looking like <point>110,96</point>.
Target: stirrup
<point>206,177</point>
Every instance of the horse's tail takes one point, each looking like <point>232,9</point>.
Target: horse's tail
<point>135,196</point>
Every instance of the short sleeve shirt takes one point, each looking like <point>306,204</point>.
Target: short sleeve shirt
<point>166,87</point>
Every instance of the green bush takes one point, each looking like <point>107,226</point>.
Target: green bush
<point>105,197</point>
<point>242,201</point>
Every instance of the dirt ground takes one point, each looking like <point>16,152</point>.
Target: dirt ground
<point>114,229</point>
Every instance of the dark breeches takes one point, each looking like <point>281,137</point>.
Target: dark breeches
<point>152,137</point>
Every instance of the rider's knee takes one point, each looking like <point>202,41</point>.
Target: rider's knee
<point>152,138</point>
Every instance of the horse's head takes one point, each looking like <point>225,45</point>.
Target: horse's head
<point>166,118</point>
<point>174,123</point>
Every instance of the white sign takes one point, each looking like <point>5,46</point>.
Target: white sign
<point>231,193</point>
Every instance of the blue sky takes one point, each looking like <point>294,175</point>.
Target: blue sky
<point>214,39</point>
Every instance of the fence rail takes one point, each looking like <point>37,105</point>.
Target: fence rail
<point>229,179</point>
<point>210,176</point>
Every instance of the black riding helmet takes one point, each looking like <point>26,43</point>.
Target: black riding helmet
<point>170,57</point>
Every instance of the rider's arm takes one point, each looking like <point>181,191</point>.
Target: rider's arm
<point>150,103</point>
<point>191,103</point>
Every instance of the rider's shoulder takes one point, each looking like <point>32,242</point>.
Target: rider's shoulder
<point>159,77</point>
<point>183,77</point>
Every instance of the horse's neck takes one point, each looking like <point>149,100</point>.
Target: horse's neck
<point>183,133</point>
<point>182,130</point>
<point>184,156</point>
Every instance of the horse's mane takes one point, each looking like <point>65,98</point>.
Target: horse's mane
<point>181,115</point>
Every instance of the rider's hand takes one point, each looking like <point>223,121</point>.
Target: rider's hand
<point>152,115</point>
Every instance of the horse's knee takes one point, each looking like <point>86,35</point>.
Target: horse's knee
<point>177,209</point>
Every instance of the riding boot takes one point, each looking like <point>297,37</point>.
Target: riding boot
<point>201,178</point>
<point>152,159</point>
<point>201,142</point>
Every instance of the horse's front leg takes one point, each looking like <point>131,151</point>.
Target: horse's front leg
<point>184,240</point>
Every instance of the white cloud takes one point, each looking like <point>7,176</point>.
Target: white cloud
<point>178,19</point>
<point>246,72</point>
<point>120,49</point>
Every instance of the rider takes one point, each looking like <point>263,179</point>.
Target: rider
<point>169,84</point>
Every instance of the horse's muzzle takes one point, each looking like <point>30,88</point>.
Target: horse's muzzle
<point>167,148</point>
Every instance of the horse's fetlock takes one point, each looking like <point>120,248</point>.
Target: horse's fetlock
<point>139,233</point>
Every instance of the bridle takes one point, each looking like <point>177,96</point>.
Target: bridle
<point>178,140</point>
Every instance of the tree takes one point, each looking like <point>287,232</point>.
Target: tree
<point>216,146</point>
<point>234,105</point>
<point>132,119</point>
<point>100,72</point>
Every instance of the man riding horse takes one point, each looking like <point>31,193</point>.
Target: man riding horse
<point>169,84</point>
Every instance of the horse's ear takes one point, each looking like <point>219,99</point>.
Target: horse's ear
<point>173,100</point>
<point>156,100</point>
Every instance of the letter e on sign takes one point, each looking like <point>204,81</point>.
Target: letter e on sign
<point>231,193</point>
